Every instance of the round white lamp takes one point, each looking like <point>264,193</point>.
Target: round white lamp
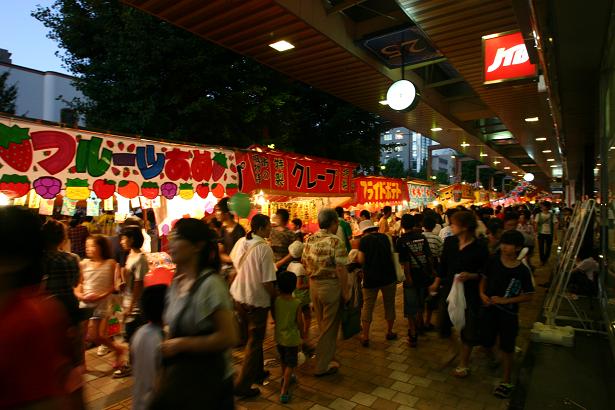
<point>529,177</point>
<point>402,95</point>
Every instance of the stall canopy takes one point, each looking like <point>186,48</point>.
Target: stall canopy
<point>375,192</point>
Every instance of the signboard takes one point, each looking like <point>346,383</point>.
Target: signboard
<point>410,42</point>
<point>54,160</point>
<point>456,192</point>
<point>505,58</point>
<point>289,173</point>
<point>421,194</point>
<point>387,191</point>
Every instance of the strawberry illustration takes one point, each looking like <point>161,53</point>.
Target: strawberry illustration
<point>231,189</point>
<point>128,189</point>
<point>149,190</point>
<point>186,191</point>
<point>202,190</point>
<point>14,186</point>
<point>219,166</point>
<point>104,188</point>
<point>15,147</point>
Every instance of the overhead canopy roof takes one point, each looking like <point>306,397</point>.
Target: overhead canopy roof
<point>328,56</point>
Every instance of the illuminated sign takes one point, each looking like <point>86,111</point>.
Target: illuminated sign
<point>405,46</point>
<point>505,58</point>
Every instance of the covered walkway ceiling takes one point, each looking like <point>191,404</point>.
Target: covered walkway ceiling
<point>327,56</point>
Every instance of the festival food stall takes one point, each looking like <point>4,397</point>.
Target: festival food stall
<point>421,193</point>
<point>301,184</point>
<point>456,194</point>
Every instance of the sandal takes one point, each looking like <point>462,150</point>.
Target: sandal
<point>504,390</point>
<point>461,372</point>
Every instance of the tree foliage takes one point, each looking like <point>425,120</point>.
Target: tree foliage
<point>8,94</point>
<point>144,76</point>
<point>394,168</point>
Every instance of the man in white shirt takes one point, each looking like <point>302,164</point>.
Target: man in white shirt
<point>252,290</point>
<point>546,228</point>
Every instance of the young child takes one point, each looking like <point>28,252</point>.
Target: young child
<point>145,346</point>
<point>506,282</point>
<point>288,329</point>
<point>302,292</point>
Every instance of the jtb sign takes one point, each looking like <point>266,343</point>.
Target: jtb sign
<point>505,58</point>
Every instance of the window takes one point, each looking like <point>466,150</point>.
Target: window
<point>399,136</point>
<point>442,160</point>
<point>399,149</point>
<point>388,137</point>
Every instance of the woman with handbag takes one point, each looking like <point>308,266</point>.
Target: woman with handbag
<point>197,370</point>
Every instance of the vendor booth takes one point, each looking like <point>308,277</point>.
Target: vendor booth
<point>456,194</point>
<point>421,193</point>
<point>374,192</point>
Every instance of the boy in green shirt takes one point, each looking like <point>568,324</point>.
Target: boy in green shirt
<point>288,329</point>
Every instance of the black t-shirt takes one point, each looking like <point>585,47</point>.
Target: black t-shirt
<point>507,282</point>
<point>229,239</point>
<point>378,269</point>
<point>412,246</point>
<point>469,259</point>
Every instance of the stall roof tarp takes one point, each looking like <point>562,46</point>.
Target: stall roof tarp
<point>289,174</point>
<point>380,190</point>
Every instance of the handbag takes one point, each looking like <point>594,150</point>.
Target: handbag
<point>424,278</point>
<point>351,311</point>
<point>457,304</point>
<point>189,380</point>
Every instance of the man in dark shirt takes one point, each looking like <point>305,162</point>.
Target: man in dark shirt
<point>506,282</point>
<point>378,276</point>
<point>231,233</point>
<point>77,235</point>
<point>416,258</point>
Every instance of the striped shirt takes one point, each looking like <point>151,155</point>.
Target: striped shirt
<point>435,243</point>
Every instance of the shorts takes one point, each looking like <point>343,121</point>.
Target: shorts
<point>289,355</point>
<point>303,296</point>
<point>100,309</point>
<point>496,322</point>
<point>414,300</point>
<point>470,334</point>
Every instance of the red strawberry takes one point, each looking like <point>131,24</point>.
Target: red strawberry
<point>231,189</point>
<point>131,148</point>
<point>110,143</point>
<point>104,188</point>
<point>126,172</point>
<point>149,190</point>
<point>202,190</point>
<point>219,166</point>
<point>120,145</point>
<point>14,186</point>
<point>15,147</point>
<point>115,171</point>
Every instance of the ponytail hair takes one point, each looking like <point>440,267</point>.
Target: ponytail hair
<point>197,231</point>
<point>259,221</point>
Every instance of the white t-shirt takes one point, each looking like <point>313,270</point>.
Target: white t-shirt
<point>436,230</point>
<point>296,268</point>
<point>253,270</point>
<point>445,232</point>
<point>543,223</point>
<point>146,361</point>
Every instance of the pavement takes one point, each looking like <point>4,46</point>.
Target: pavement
<point>387,375</point>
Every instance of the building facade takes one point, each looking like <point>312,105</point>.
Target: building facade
<point>43,95</point>
<point>410,147</point>
<point>443,160</point>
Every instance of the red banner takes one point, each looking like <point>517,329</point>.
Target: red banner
<point>389,191</point>
<point>283,172</point>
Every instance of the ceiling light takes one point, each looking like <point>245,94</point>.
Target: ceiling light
<point>554,166</point>
<point>514,172</point>
<point>453,157</point>
<point>531,119</point>
<point>506,167</point>
<point>281,45</point>
<point>529,177</point>
<point>541,139</point>
<point>496,162</point>
<point>598,164</point>
<point>482,154</point>
<point>551,160</point>
<point>465,144</point>
<point>436,129</point>
<point>546,151</point>
<point>384,102</point>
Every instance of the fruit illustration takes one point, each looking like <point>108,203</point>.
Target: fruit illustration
<point>217,190</point>
<point>219,166</point>
<point>14,186</point>
<point>128,189</point>
<point>77,189</point>
<point>104,188</point>
<point>186,191</point>
<point>15,147</point>
<point>202,190</point>
<point>168,190</point>
<point>231,189</point>
<point>149,190</point>
<point>201,166</point>
<point>47,187</point>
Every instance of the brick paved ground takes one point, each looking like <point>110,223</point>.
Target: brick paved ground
<point>387,375</point>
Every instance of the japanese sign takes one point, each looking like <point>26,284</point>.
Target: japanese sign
<point>389,191</point>
<point>282,172</point>
<point>505,58</point>
<point>53,159</point>
<point>421,194</point>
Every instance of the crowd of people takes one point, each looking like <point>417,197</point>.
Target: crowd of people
<point>227,283</point>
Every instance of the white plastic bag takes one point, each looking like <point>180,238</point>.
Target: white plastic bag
<point>457,304</point>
